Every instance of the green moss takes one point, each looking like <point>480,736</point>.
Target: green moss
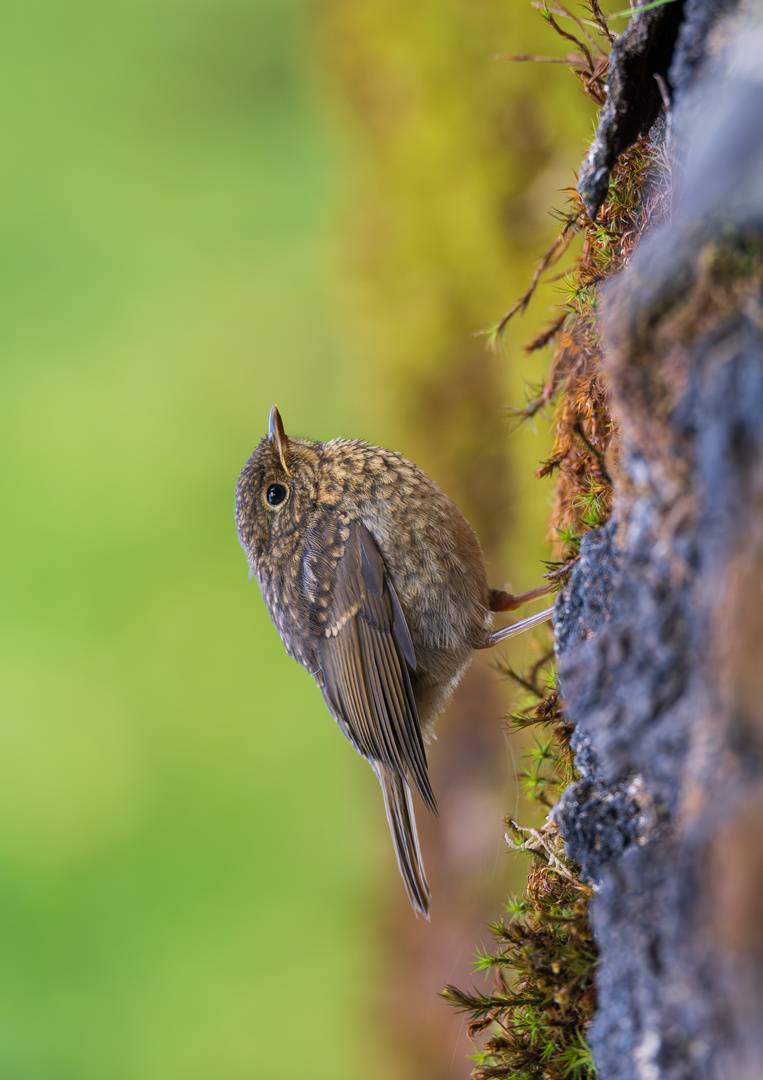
<point>542,958</point>
<point>542,962</point>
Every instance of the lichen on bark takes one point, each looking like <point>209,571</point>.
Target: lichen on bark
<point>668,738</point>
<point>659,626</point>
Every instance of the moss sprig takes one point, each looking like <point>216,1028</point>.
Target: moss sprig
<point>541,963</point>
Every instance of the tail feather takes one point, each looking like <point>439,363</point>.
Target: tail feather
<point>402,825</point>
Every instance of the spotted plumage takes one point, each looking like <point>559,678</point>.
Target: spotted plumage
<point>377,586</point>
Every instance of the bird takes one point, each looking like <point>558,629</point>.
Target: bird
<point>377,586</point>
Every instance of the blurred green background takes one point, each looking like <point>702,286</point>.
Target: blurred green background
<point>208,206</point>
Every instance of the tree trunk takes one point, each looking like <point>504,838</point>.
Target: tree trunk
<point>660,629</point>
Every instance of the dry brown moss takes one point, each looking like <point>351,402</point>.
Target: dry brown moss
<point>542,968</point>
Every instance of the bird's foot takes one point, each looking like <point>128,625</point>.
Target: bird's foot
<point>506,601</point>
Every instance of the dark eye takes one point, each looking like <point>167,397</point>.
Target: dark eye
<point>276,494</point>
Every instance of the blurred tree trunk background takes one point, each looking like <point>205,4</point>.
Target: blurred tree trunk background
<point>454,158</point>
<point>450,166</point>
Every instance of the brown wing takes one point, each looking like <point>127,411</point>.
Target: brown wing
<point>364,652</point>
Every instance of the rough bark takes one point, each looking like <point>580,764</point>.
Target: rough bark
<point>660,630</point>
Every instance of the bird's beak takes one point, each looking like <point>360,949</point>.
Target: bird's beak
<point>277,436</point>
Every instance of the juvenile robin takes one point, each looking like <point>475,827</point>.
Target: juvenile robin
<point>377,585</point>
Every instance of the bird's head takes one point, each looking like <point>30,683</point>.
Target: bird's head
<point>275,494</point>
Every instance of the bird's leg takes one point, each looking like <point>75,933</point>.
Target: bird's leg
<point>504,601</point>
<point>517,628</point>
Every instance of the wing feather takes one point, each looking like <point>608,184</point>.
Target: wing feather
<point>364,652</point>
